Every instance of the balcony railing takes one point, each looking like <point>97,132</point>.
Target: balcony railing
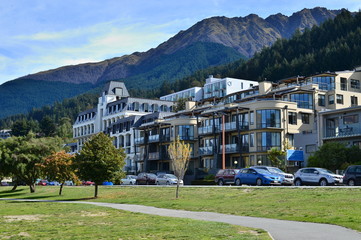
<point>268,125</point>
<point>229,148</point>
<point>266,148</point>
<point>206,150</point>
<point>153,156</point>
<point>207,130</point>
<point>153,138</point>
<point>342,132</point>
<point>139,140</point>
<point>165,138</point>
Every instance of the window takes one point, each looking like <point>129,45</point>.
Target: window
<point>331,99</point>
<point>292,118</point>
<point>251,120</point>
<point>268,118</point>
<point>311,148</point>
<point>355,83</point>
<point>251,139</point>
<point>321,100</point>
<point>354,101</point>
<point>267,140</point>
<point>339,98</point>
<point>325,82</point>
<point>186,132</point>
<point>303,100</point>
<point>305,118</point>
<point>291,139</point>
<point>343,84</point>
<point>350,119</point>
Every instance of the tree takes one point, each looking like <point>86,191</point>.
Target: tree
<point>48,126</point>
<point>100,161</point>
<point>180,104</point>
<point>335,155</point>
<point>179,153</point>
<point>274,155</point>
<point>59,167</point>
<point>21,157</point>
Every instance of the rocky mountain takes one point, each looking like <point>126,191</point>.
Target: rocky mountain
<point>246,35</point>
<point>210,42</point>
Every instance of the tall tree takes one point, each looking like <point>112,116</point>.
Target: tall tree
<point>48,126</point>
<point>100,161</point>
<point>21,157</point>
<point>179,153</point>
<point>59,167</point>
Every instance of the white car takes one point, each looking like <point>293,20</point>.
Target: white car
<point>129,180</point>
<point>167,179</point>
<point>288,178</point>
<point>316,176</point>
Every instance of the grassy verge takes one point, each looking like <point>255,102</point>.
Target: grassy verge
<point>23,220</point>
<point>338,206</point>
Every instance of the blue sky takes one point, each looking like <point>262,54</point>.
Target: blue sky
<point>38,35</point>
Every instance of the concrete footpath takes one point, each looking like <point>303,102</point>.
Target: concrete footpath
<point>278,229</point>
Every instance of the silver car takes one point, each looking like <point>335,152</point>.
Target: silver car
<point>316,176</point>
<point>129,180</point>
<point>167,179</point>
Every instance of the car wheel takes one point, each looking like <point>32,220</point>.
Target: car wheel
<point>136,183</point>
<point>298,182</point>
<point>351,182</point>
<point>323,182</point>
<point>168,183</point>
<point>238,182</point>
<point>157,183</point>
<point>220,182</point>
<point>146,183</point>
<point>259,182</point>
<point>130,183</point>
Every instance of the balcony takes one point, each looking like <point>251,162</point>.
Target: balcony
<point>229,148</point>
<point>206,150</point>
<point>268,125</point>
<point>153,138</point>
<point>165,138</point>
<point>266,148</point>
<point>342,132</point>
<point>207,130</point>
<point>153,156</point>
<point>139,140</point>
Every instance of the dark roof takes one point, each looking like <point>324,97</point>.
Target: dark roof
<point>116,88</point>
<point>88,111</point>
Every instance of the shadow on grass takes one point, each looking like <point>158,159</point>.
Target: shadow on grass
<point>79,199</point>
<point>10,193</point>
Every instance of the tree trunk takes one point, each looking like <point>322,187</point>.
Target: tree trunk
<point>96,190</point>
<point>14,187</point>
<point>61,188</point>
<point>32,187</point>
<point>176,192</point>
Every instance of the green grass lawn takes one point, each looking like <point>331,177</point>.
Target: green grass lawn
<point>340,206</point>
<point>24,220</point>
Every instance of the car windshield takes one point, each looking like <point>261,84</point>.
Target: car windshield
<point>262,171</point>
<point>322,170</point>
<point>275,170</point>
<point>170,176</point>
<point>133,177</point>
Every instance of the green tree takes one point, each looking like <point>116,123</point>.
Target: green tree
<point>48,126</point>
<point>179,153</point>
<point>275,154</point>
<point>59,167</point>
<point>335,155</point>
<point>21,157</point>
<point>100,161</point>
<point>64,129</point>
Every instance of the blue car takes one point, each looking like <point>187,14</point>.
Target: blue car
<point>256,176</point>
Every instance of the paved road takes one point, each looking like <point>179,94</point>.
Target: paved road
<point>279,229</point>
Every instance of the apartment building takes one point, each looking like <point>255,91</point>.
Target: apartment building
<point>115,114</point>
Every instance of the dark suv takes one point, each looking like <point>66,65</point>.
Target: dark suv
<point>225,176</point>
<point>352,175</point>
<point>145,178</point>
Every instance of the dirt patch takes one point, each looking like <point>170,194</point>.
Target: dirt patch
<point>255,233</point>
<point>247,190</point>
<point>13,218</point>
<point>90,214</point>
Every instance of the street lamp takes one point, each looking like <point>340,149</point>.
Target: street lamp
<point>235,163</point>
<point>259,162</point>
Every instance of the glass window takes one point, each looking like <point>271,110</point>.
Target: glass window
<point>354,101</point>
<point>325,82</point>
<point>292,118</point>
<point>311,148</point>
<point>251,118</point>
<point>267,140</point>
<point>186,132</point>
<point>303,100</point>
<point>305,118</point>
<point>350,119</point>
<point>355,83</point>
<point>321,100</point>
<point>251,139</point>
<point>268,118</point>
<point>331,99</point>
<point>343,84</point>
<point>339,98</point>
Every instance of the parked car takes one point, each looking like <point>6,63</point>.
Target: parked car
<point>108,183</point>
<point>316,176</point>
<point>145,178</point>
<point>352,175</point>
<point>68,183</point>
<point>225,176</point>
<point>288,178</point>
<point>129,180</point>
<point>87,183</point>
<point>3,183</point>
<point>257,176</point>
<point>43,182</point>
<point>167,179</point>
